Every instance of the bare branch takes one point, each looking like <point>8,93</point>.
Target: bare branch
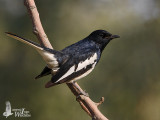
<point>37,26</point>
<point>86,103</point>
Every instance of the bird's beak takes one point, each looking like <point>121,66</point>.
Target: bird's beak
<point>115,36</point>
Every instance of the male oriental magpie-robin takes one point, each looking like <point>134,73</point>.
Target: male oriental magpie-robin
<point>73,62</point>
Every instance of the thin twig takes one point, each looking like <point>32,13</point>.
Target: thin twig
<point>86,103</point>
<point>100,102</point>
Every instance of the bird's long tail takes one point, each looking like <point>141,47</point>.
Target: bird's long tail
<point>48,55</point>
<point>31,43</point>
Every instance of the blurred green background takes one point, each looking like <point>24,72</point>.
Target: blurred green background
<point>128,74</point>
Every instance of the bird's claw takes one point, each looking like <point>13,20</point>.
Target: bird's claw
<point>84,93</point>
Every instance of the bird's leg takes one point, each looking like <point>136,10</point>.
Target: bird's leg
<point>82,92</point>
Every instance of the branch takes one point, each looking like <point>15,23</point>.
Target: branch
<point>86,103</point>
<point>37,26</point>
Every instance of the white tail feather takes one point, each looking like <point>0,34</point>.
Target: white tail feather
<point>47,56</point>
<point>31,43</point>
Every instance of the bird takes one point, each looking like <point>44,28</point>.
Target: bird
<point>73,62</point>
<point>8,109</point>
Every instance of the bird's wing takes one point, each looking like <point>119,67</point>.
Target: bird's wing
<point>75,68</point>
<point>46,71</point>
<point>49,55</point>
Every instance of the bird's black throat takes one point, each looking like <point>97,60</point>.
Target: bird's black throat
<point>103,45</point>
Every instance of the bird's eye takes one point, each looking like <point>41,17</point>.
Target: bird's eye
<point>102,35</point>
<point>107,37</point>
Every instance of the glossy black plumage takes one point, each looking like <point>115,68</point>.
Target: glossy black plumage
<point>73,62</point>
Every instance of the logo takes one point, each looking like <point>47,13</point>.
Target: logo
<point>21,113</point>
<point>17,112</point>
<point>8,110</point>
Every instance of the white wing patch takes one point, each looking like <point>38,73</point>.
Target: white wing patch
<point>69,72</point>
<point>81,65</point>
<point>89,61</point>
<point>85,74</point>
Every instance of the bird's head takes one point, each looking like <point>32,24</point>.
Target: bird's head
<point>102,37</point>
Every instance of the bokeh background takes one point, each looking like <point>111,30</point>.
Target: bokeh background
<point>128,74</point>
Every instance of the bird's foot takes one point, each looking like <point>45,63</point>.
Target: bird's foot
<point>82,96</point>
<point>83,92</point>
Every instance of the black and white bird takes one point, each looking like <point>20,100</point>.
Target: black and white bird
<point>73,62</point>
